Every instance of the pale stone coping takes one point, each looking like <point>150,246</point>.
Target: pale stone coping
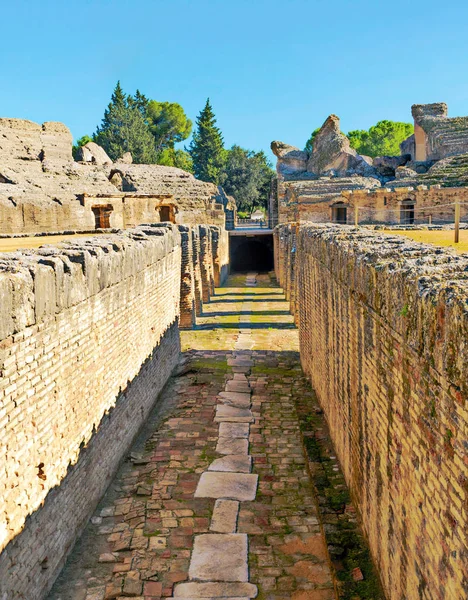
<point>33,283</point>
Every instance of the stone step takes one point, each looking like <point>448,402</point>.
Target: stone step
<point>232,464</point>
<point>234,486</point>
<point>207,590</point>
<point>219,557</point>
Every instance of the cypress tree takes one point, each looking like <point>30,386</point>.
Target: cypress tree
<point>207,147</point>
<point>123,129</point>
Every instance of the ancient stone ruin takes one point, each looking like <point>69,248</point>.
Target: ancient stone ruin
<point>176,425</point>
<point>328,185</point>
<point>43,189</point>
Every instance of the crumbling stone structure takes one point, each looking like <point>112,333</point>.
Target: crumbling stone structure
<point>435,135</point>
<point>88,337</point>
<point>383,328</point>
<point>327,185</point>
<point>43,189</point>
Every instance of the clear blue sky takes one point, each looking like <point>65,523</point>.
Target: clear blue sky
<point>272,69</point>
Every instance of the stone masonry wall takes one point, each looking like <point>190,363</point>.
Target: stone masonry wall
<point>383,328</point>
<point>204,266</point>
<point>89,335</point>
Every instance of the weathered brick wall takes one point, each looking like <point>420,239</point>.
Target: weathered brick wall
<point>204,265</point>
<point>89,336</point>
<point>285,252</point>
<point>383,330</point>
<point>220,249</point>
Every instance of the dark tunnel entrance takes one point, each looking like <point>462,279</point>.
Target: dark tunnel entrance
<point>251,253</point>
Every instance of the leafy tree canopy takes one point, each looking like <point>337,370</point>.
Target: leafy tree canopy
<point>168,123</point>
<point>207,147</point>
<point>382,139</point>
<point>247,176</point>
<point>176,158</point>
<point>123,129</point>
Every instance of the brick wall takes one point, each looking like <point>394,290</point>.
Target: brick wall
<point>205,264</point>
<point>89,336</point>
<point>383,329</point>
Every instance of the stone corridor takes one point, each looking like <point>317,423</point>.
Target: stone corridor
<point>215,499</point>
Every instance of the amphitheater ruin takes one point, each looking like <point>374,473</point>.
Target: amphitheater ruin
<point>194,409</point>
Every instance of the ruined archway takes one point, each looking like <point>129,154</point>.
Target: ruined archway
<point>251,253</point>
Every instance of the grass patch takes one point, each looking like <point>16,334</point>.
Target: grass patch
<point>442,238</point>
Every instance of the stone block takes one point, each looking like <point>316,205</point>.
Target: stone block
<point>232,464</point>
<point>234,430</point>
<point>236,399</point>
<point>238,386</point>
<point>233,415</point>
<point>230,445</point>
<point>207,590</point>
<point>235,486</point>
<point>219,557</point>
<point>224,519</point>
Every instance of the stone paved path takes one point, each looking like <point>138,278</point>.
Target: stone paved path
<point>215,499</point>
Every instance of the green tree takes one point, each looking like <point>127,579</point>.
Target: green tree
<point>207,147</point>
<point>310,142</point>
<point>168,123</point>
<point>176,158</point>
<point>141,102</point>
<point>382,139</point>
<point>79,143</point>
<point>247,176</point>
<point>123,129</point>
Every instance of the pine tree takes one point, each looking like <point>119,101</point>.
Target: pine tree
<point>141,102</point>
<point>123,129</point>
<point>206,148</point>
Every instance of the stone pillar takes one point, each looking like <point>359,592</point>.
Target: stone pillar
<point>187,284</point>
<point>205,258</point>
<point>196,260</point>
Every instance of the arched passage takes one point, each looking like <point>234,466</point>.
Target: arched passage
<point>251,253</point>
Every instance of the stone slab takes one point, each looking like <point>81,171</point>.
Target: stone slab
<point>234,430</point>
<point>232,464</point>
<point>240,377</point>
<point>219,557</point>
<point>194,589</point>
<point>224,519</point>
<point>233,414</point>
<point>237,386</point>
<point>230,445</point>
<point>240,362</point>
<point>235,486</point>
<point>237,399</point>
